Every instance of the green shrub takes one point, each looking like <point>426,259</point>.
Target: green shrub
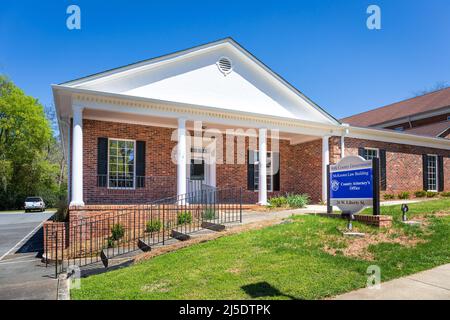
<point>420,194</point>
<point>388,196</point>
<point>117,232</point>
<point>403,195</point>
<point>431,194</point>
<point>209,214</point>
<point>277,202</point>
<point>445,194</point>
<point>184,217</point>
<point>111,243</point>
<point>153,226</point>
<point>297,200</point>
<point>62,210</point>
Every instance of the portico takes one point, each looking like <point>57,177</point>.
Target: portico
<point>179,128</point>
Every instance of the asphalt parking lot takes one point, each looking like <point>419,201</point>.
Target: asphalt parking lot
<point>22,274</point>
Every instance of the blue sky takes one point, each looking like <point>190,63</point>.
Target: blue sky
<point>322,47</point>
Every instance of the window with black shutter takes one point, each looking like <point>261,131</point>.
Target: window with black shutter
<point>140,164</point>
<point>432,172</point>
<point>276,167</point>
<point>425,171</point>
<point>371,153</point>
<point>273,178</point>
<point>102,162</point>
<point>250,170</point>
<point>121,163</point>
<point>440,173</point>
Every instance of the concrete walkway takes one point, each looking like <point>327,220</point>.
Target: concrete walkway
<point>433,284</point>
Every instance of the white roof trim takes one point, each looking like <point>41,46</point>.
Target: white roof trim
<point>192,107</point>
<point>384,135</point>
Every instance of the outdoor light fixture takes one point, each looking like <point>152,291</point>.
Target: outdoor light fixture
<point>404,211</point>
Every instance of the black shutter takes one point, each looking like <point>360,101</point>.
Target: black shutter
<point>250,170</point>
<point>276,163</point>
<point>102,161</point>
<point>361,152</point>
<point>383,181</point>
<point>440,173</point>
<point>425,171</point>
<point>140,164</point>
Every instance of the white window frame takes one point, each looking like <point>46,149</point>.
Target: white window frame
<point>373,149</point>
<point>436,172</point>
<point>134,165</point>
<point>269,172</point>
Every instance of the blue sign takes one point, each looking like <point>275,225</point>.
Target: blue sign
<point>351,184</point>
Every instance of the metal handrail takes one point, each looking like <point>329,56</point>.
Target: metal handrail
<point>85,241</point>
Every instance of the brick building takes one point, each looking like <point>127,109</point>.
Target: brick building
<point>201,116</point>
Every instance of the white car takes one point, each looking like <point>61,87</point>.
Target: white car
<point>34,203</point>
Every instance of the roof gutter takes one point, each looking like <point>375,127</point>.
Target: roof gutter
<point>391,136</point>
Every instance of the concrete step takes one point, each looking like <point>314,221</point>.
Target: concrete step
<point>179,235</point>
<point>213,226</point>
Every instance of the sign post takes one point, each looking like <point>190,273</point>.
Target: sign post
<point>353,184</point>
<point>376,186</point>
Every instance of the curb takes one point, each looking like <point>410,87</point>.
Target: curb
<point>63,291</point>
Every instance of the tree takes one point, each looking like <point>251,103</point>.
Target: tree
<point>55,148</point>
<point>25,139</point>
<point>437,86</point>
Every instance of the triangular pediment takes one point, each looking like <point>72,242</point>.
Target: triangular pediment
<point>194,77</point>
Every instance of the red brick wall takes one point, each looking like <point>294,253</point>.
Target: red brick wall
<point>404,163</point>
<point>158,161</point>
<point>306,169</point>
<point>300,165</point>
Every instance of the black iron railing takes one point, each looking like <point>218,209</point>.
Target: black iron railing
<point>119,231</point>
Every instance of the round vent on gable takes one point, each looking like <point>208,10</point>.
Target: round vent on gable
<point>225,65</point>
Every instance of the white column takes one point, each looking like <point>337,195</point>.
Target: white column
<point>77,157</point>
<point>68,156</point>
<point>181,157</point>
<point>342,146</point>
<point>262,190</point>
<point>325,162</point>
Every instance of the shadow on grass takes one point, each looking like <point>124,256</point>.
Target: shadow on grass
<point>264,290</point>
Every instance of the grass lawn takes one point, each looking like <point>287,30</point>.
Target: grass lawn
<point>305,259</point>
